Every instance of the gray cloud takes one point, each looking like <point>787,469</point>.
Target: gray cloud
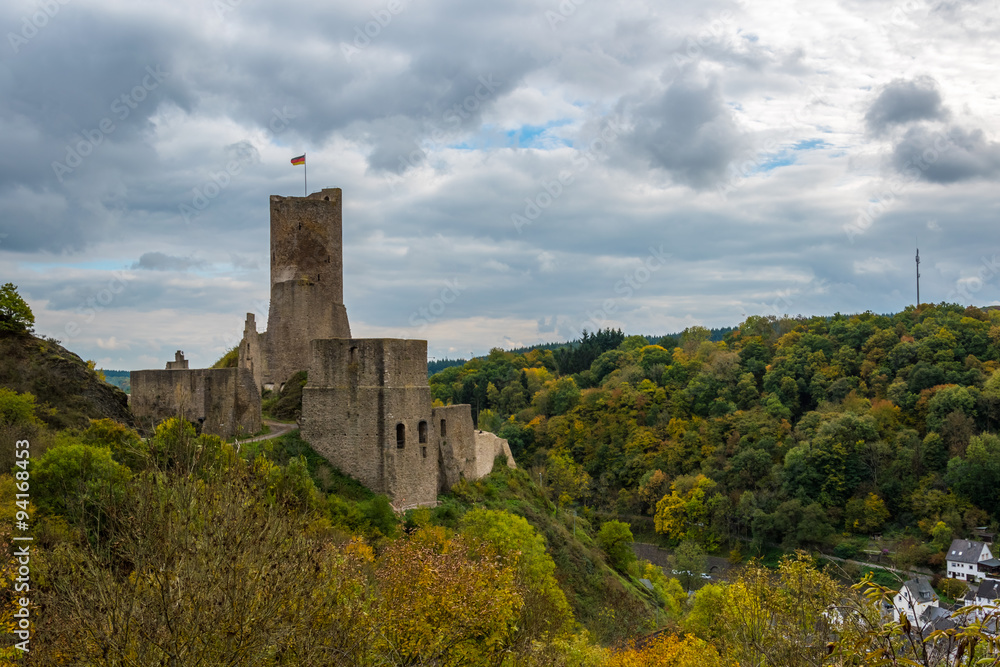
<point>947,157</point>
<point>903,101</point>
<point>157,261</point>
<point>687,130</point>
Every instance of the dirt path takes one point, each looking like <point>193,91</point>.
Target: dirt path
<point>278,429</point>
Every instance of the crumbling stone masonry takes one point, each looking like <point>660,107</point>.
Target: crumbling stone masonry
<point>463,450</point>
<point>225,401</point>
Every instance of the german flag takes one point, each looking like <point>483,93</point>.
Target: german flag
<point>299,160</point>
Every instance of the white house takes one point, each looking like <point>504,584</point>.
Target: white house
<point>913,600</point>
<point>964,557</point>
<point>987,593</point>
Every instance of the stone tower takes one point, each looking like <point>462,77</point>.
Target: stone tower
<point>307,284</point>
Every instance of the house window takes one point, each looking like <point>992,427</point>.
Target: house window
<point>444,431</point>
<point>400,436</point>
<point>422,432</point>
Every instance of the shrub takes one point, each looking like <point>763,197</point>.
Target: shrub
<point>846,549</point>
<point>79,482</point>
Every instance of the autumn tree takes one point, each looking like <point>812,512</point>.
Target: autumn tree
<point>684,514</point>
<point>546,613</point>
<point>190,577</point>
<point>782,620</point>
<point>669,650</point>
<point>443,602</point>
<point>865,515</point>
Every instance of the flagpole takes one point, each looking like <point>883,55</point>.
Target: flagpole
<point>305,177</point>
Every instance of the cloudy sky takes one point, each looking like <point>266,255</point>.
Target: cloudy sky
<point>513,172</point>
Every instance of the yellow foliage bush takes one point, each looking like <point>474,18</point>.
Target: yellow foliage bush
<point>669,651</point>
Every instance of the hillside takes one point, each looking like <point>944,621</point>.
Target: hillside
<point>70,392</point>
<point>808,432</point>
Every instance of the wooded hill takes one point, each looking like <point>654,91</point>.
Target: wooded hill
<point>808,432</point>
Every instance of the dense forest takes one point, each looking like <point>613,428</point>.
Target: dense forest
<point>184,549</point>
<point>804,432</point>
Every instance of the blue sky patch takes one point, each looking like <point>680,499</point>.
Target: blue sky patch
<point>772,162</point>
<point>809,144</point>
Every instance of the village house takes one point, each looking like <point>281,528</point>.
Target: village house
<point>965,557</point>
<point>913,600</point>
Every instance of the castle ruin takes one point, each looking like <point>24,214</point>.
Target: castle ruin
<point>366,406</point>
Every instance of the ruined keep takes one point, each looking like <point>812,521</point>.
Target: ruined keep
<point>366,406</point>
<point>307,287</point>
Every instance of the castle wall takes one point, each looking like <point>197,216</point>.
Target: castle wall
<point>464,451</point>
<point>225,400</point>
<point>307,292</point>
<point>453,429</point>
<point>488,447</point>
<point>367,409</point>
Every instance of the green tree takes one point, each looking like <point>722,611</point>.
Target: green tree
<point>689,562</point>
<point>941,534</point>
<point>79,482</point>
<point>15,314</point>
<point>954,588</point>
<point>977,476</point>
<point>17,410</point>
<point>17,422</point>
<point>567,478</point>
<point>615,538</point>
<point>126,446</point>
<point>489,421</point>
